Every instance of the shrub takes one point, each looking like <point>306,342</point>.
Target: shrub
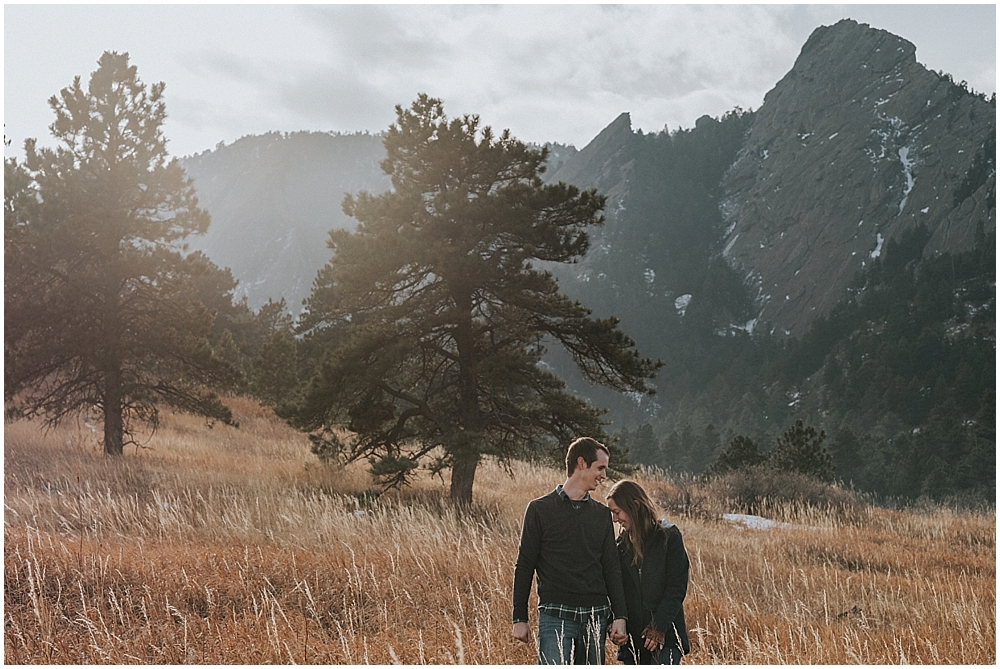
<point>678,495</point>
<point>755,490</point>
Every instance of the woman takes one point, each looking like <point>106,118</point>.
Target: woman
<point>655,574</point>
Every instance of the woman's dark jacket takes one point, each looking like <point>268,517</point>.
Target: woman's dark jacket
<point>655,590</point>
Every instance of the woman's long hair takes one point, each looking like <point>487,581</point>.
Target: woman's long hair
<point>634,501</point>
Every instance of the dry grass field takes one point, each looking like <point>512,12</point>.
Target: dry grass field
<point>235,546</point>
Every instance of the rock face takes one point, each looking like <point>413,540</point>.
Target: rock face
<point>604,163</point>
<point>857,143</point>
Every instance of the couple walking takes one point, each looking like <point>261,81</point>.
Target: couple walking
<point>591,587</point>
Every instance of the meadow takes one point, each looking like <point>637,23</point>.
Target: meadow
<point>219,545</point>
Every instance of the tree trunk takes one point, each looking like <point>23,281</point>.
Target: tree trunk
<point>463,473</point>
<point>111,362</point>
<point>463,470</point>
<point>113,423</point>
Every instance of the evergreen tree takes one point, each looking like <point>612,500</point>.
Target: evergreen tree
<point>978,469</point>
<point>20,206</point>
<point>742,453</point>
<point>708,446</point>
<point>434,315</point>
<point>800,450</point>
<point>105,303</point>
<point>846,451</point>
<point>274,372</point>
<point>641,445</point>
<point>679,448</point>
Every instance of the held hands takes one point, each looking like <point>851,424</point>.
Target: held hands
<point>522,632</point>
<point>617,632</point>
<point>652,638</point>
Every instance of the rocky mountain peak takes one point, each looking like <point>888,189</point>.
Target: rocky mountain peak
<point>858,44</point>
<point>274,198</point>
<point>604,162</point>
<point>857,143</point>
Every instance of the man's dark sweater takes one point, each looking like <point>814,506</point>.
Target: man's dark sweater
<point>571,546</point>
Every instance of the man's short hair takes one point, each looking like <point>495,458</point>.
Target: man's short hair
<point>585,448</point>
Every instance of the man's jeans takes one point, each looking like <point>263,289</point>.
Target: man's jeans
<point>569,642</point>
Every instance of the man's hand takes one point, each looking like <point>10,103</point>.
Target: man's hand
<point>522,632</point>
<point>618,634</point>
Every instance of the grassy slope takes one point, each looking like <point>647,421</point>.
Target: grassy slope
<point>231,546</point>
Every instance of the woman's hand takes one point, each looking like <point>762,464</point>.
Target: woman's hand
<point>653,638</point>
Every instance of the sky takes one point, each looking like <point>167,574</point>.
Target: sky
<point>549,73</point>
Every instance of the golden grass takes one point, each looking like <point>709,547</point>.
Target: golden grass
<point>235,546</point>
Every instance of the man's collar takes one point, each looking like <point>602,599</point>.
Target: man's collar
<point>562,493</point>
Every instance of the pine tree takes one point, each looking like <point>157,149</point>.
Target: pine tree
<point>800,450</point>
<point>105,302</point>
<point>847,451</point>
<point>20,206</point>
<point>274,370</point>
<point>641,445</point>
<point>742,453</point>
<point>434,315</point>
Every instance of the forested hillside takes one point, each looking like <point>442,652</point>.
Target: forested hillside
<point>900,374</point>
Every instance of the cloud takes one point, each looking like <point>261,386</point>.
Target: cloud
<point>216,63</point>
<point>573,68</point>
<point>376,37</point>
<point>547,72</point>
<point>564,72</point>
<point>336,98</point>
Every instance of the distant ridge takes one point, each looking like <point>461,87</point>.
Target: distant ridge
<point>273,199</point>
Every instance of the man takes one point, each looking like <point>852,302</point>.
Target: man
<point>568,539</point>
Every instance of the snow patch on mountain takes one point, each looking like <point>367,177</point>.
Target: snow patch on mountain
<point>681,304</point>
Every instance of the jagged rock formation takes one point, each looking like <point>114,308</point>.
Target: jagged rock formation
<point>857,143</point>
<point>604,163</point>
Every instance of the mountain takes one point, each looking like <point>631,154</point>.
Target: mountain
<point>855,145</point>
<point>656,263</point>
<point>828,257</point>
<point>273,199</point>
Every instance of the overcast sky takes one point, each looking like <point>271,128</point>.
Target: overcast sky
<point>548,72</point>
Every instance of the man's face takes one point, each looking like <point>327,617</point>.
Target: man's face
<point>595,474</point>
